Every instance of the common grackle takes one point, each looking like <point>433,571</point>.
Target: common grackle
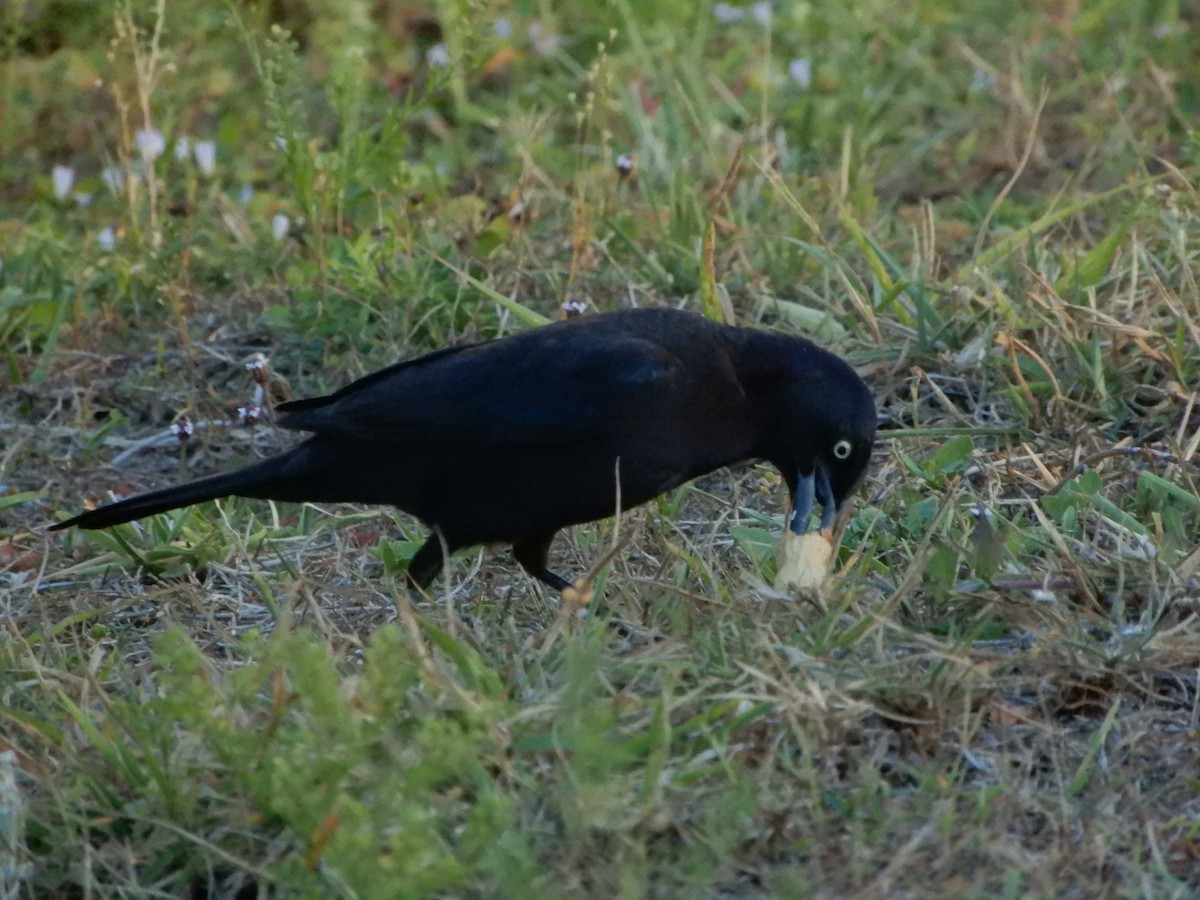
<point>510,440</point>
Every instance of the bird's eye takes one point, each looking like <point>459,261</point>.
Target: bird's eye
<point>842,449</point>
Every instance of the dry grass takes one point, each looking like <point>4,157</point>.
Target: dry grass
<point>1001,694</point>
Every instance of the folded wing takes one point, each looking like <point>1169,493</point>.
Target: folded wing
<point>553,387</point>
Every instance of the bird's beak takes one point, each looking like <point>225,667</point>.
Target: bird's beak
<point>809,488</point>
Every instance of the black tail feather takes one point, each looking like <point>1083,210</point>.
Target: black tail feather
<point>257,480</point>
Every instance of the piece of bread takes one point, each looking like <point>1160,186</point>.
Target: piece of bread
<point>802,563</point>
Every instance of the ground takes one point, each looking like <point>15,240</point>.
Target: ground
<point>988,210</point>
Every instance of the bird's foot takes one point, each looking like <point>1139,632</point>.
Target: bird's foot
<point>578,596</point>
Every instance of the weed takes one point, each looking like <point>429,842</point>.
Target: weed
<point>988,210</point>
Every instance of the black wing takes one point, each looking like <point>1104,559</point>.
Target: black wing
<point>547,385</point>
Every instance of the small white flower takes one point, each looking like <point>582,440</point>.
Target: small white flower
<point>726,14</point>
<point>84,200</point>
<point>206,156</point>
<point>281,142</point>
<point>761,12</point>
<point>624,164</point>
<point>437,55</point>
<point>259,369</point>
<point>150,144</point>
<point>544,42</point>
<point>245,194</point>
<point>114,178</point>
<point>982,81</point>
<point>503,29</point>
<point>107,239</point>
<point>63,178</point>
<point>280,226</point>
<point>183,148</point>
<point>801,71</point>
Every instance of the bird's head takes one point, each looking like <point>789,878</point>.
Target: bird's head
<point>824,427</point>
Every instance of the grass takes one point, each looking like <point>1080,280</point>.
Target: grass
<point>993,221</point>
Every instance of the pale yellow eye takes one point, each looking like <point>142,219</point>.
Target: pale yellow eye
<point>841,450</point>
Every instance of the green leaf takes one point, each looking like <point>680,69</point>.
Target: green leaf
<point>757,543</point>
<point>1090,482</point>
<point>1010,242</point>
<point>1084,773</point>
<point>918,516</point>
<point>952,456</point>
<point>1087,271</point>
<point>942,568</point>
<point>523,313</point>
<point>1153,491</point>
<point>807,318</point>
<point>1106,507</point>
<point>710,303</point>
<point>395,555</point>
<point>830,261</point>
<point>18,499</point>
<point>874,260</point>
<point>474,670</point>
<point>493,237</point>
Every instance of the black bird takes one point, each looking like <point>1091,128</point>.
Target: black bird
<point>510,440</point>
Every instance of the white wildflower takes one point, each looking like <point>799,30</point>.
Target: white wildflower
<point>545,42</point>
<point>726,14</point>
<point>801,71</point>
<point>63,178</point>
<point>206,156</point>
<point>150,144</point>
<point>982,81</point>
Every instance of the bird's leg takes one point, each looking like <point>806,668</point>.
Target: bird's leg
<point>426,563</point>
<point>531,553</point>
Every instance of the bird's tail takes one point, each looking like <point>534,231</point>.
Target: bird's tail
<point>258,480</point>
